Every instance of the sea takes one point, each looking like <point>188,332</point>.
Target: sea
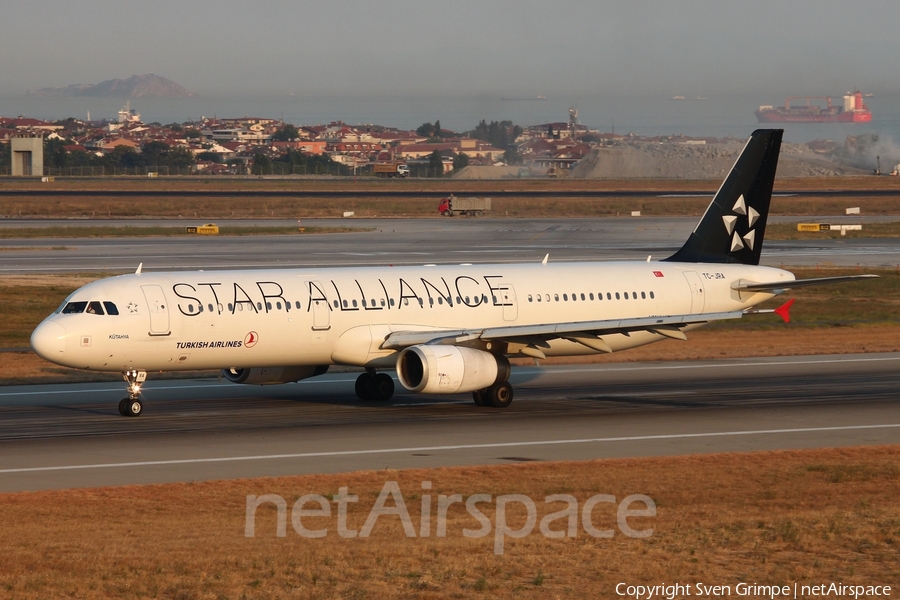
<point>712,116</point>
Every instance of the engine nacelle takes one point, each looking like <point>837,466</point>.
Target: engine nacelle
<point>440,369</point>
<point>272,375</point>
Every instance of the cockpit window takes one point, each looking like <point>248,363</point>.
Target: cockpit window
<point>95,308</point>
<point>74,308</point>
<point>110,308</point>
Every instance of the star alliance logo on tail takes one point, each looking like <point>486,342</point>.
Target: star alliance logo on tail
<point>739,242</point>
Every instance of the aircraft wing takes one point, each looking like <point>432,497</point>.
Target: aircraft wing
<point>780,286</point>
<point>584,332</point>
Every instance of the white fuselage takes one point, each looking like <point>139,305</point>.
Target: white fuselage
<point>269,318</point>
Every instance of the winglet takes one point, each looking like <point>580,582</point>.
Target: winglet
<point>547,257</point>
<point>784,311</point>
<point>138,271</point>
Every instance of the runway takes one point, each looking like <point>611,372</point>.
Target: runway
<point>411,241</point>
<point>55,437</point>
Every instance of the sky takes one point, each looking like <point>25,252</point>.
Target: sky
<point>463,47</point>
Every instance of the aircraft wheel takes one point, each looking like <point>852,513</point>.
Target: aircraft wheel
<point>365,387</point>
<point>122,403</point>
<point>500,395</point>
<point>382,387</point>
<point>478,397</point>
<point>133,407</point>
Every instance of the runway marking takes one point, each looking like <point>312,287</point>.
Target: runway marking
<point>635,438</point>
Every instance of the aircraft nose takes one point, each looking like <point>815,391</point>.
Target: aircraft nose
<point>49,340</point>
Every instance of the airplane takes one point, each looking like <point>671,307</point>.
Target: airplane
<point>445,329</point>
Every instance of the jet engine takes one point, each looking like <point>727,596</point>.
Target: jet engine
<point>440,369</point>
<point>272,375</point>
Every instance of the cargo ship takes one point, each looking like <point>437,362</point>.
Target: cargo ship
<point>854,110</point>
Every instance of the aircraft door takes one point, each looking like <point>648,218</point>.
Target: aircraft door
<point>318,304</point>
<point>156,306</point>
<point>508,300</point>
<point>696,284</point>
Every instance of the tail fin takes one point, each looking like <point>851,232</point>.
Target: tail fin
<point>732,228</point>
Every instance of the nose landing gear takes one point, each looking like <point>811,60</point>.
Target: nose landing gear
<point>132,405</point>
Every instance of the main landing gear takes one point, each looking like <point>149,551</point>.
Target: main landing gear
<point>132,405</point>
<point>499,395</point>
<point>372,387</point>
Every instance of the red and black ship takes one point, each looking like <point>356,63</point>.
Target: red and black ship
<point>854,110</point>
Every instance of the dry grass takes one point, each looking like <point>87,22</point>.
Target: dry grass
<point>183,205</point>
<point>771,518</point>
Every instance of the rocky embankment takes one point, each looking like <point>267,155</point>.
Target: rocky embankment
<point>701,161</point>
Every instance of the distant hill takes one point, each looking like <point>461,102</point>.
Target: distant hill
<point>136,86</point>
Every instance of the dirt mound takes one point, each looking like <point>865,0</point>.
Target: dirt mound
<point>702,161</point>
<point>490,172</point>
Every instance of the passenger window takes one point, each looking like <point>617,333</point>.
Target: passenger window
<point>336,305</point>
<point>111,308</point>
<point>240,307</point>
<point>617,296</point>
<point>94,308</point>
<point>440,300</point>
<point>565,297</point>
<point>529,297</point>
<point>74,308</point>
<point>547,297</point>
<point>651,295</point>
<point>582,297</point>
<point>259,306</point>
<point>556,297</point>
<point>373,302</point>
<point>538,297</point>
<point>625,294</point>
<point>190,308</point>
<point>230,307</point>
<point>592,295</point>
<point>643,295</point>
<point>297,304</point>
<point>354,304</point>
<point>382,302</point>
<point>634,295</point>
<point>210,307</point>
<point>609,296</point>
<point>269,305</point>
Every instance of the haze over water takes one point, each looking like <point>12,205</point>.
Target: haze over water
<point>716,116</point>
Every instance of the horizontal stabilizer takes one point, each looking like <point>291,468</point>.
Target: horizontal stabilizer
<point>777,286</point>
